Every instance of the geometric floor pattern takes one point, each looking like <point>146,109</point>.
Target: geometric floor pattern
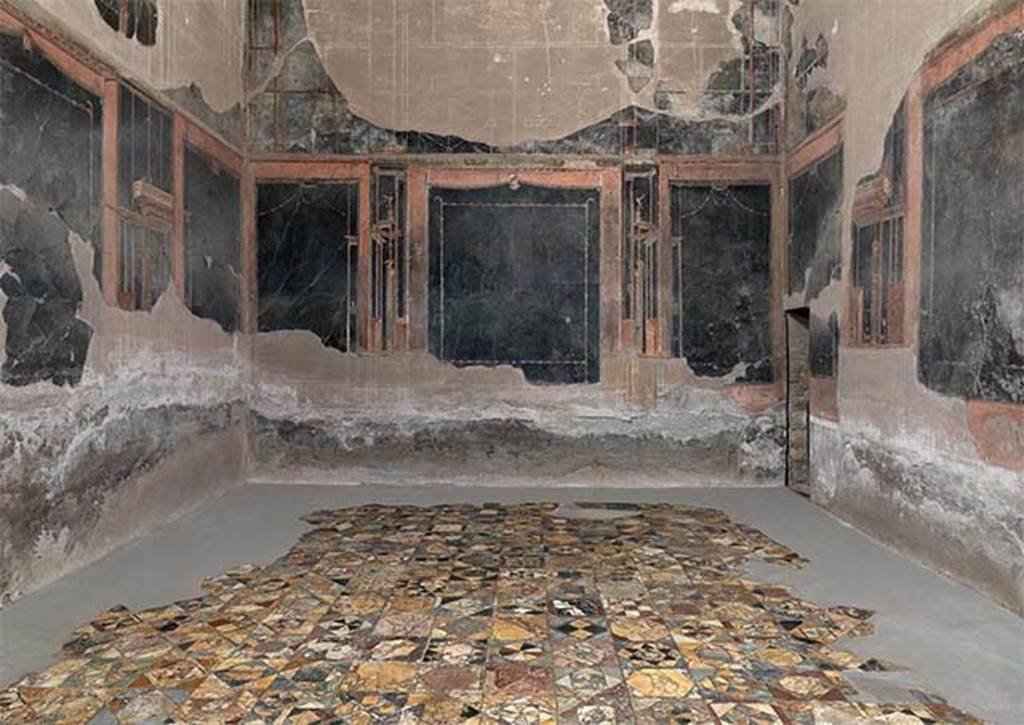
<point>479,614</point>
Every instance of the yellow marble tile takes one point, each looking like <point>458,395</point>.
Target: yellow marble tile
<point>654,682</point>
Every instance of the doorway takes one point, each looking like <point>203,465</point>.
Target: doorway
<point>798,443</point>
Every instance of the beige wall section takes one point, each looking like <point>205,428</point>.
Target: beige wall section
<point>198,41</point>
<point>506,71</point>
<point>882,45</point>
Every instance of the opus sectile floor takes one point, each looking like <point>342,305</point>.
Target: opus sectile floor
<point>479,614</point>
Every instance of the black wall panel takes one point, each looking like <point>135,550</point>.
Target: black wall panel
<point>815,221</point>
<point>514,280</point>
<point>306,265</point>
<point>723,278</point>
<point>212,268</point>
<point>50,135</point>
<point>824,343</point>
<point>972,318</point>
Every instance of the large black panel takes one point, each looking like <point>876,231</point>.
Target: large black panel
<point>306,259</point>
<point>212,240</point>
<point>815,222</point>
<point>972,320</point>
<point>514,280</point>
<point>722,279</point>
<point>50,137</point>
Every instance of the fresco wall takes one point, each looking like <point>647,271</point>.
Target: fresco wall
<point>189,52</point>
<point>319,291</point>
<point>360,76</point>
<point>917,430</point>
<point>535,329</point>
<point>121,408</point>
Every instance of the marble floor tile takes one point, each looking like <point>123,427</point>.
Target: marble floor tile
<point>480,614</point>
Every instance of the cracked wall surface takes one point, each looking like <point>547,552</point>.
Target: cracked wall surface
<point>322,415</point>
<point>359,76</point>
<point>152,385</point>
<point>556,78</point>
<point>198,46</point>
<point>152,426</point>
<point>936,472</point>
<point>158,408</point>
<point>113,420</point>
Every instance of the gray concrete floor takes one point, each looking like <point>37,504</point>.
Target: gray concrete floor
<point>954,642</point>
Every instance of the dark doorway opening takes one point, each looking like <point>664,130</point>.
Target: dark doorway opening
<point>798,439</point>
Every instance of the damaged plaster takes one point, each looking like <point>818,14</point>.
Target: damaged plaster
<point>197,43</point>
<point>905,462</point>
<point>152,428</point>
<point>496,76</point>
<point>454,423</point>
<point>501,75</point>
<point>924,501</point>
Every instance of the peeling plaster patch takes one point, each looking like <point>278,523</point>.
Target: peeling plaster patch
<point>628,19</point>
<point>442,58</point>
<point>815,90</point>
<point>229,123</point>
<point>638,67</point>
<point>301,110</point>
